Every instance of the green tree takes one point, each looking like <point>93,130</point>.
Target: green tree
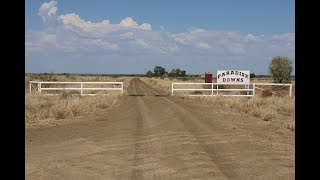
<point>149,73</point>
<point>280,69</point>
<point>177,73</point>
<point>252,75</point>
<point>159,71</point>
<point>183,73</point>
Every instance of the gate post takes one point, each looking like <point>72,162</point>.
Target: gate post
<point>211,89</point>
<point>122,87</point>
<point>290,93</point>
<point>217,89</point>
<point>254,89</point>
<point>39,87</point>
<point>172,89</point>
<point>81,88</point>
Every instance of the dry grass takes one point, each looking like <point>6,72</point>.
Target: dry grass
<point>277,110</point>
<point>280,111</point>
<point>41,109</point>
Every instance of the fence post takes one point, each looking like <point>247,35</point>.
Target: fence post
<point>39,87</point>
<point>122,87</point>
<point>217,89</point>
<point>30,87</point>
<point>254,89</point>
<point>211,89</point>
<point>172,89</point>
<point>81,91</point>
<point>290,93</point>
<point>246,87</point>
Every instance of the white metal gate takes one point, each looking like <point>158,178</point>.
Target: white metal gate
<point>249,88</point>
<point>35,86</point>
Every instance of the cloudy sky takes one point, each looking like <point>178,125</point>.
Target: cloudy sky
<point>104,36</point>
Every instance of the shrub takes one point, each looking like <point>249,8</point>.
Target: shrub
<point>266,93</point>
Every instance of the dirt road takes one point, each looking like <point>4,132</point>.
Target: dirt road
<point>151,136</point>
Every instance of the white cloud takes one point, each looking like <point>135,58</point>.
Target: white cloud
<point>238,51</point>
<point>74,22</point>
<point>48,10</point>
<point>127,36</point>
<point>75,35</point>
<point>197,30</point>
<point>145,26</point>
<point>99,29</point>
<point>142,43</point>
<point>250,37</point>
<point>49,38</point>
<point>101,44</point>
<point>203,45</point>
<point>129,22</point>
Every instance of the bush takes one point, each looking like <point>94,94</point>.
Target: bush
<point>266,93</point>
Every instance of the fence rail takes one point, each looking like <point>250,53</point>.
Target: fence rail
<point>217,90</point>
<point>35,86</point>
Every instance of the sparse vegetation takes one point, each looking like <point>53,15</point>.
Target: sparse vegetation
<point>41,109</point>
<point>278,110</point>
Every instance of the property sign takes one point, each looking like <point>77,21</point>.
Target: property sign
<point>233,76</point>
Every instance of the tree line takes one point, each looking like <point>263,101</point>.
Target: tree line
<point>280,69</point>
<point>160,71</point>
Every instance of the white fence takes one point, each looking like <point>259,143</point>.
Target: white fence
<point>35,86</point>
<point>217,90</point>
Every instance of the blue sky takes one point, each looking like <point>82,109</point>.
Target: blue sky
<point>100,36</point>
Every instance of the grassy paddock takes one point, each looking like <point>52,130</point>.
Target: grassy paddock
<point>277,109</point>
<point>40,109</point>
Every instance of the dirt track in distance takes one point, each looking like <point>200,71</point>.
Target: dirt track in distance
<point>152,136</point>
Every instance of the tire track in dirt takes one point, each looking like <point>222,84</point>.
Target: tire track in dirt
<point>145,157</point>
<point>155,120</point>
<point>243,156</point>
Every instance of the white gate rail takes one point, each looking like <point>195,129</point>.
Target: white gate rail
<point>247,88</point>
<point>39,89</point>
<point>274,84</point>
